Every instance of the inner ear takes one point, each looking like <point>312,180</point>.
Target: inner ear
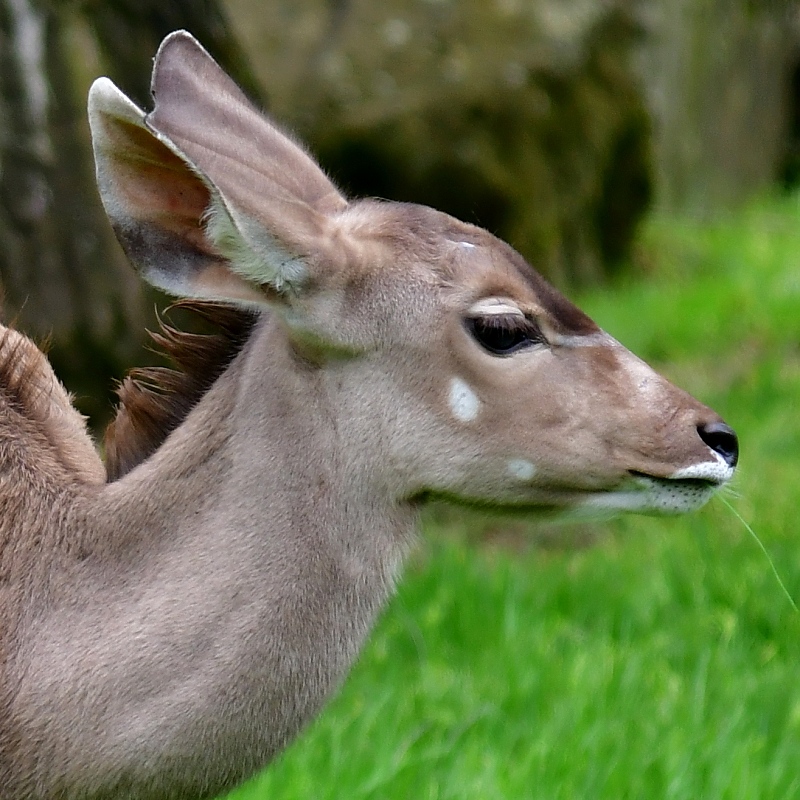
<point>157,203</point>
<point>156,185</point>
<point>141,180</point>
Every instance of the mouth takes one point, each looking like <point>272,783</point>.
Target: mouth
<point>639,492</point>
<point>682,492</point>
<point>643,479</point>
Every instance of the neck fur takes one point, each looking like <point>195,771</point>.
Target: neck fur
<point>231,581</point>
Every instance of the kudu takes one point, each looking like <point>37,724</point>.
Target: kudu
<point>170,624</point>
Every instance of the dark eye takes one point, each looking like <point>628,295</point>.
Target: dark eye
<point>504,334</point>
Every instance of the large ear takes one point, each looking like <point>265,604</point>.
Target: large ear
<point>206,196</point>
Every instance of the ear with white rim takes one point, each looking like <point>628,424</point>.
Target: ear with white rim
<point>206,196</point>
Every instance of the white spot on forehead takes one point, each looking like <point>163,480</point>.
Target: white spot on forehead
<point>466,245</point>
<point>464,403</point>
<point>521,469</point>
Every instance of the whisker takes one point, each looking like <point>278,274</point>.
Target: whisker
<point>763,550</point>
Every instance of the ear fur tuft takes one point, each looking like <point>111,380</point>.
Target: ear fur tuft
<point>266,263</point>
<point>208,198</point>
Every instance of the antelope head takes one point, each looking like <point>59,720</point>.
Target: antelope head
<point>449,366</point>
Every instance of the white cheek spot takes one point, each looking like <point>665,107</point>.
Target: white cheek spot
<point>521,469</point>
<point>464,402</point>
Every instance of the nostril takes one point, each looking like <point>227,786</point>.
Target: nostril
<point>721,438</point>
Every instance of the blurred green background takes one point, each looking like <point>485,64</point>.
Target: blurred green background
<point>645,156</point>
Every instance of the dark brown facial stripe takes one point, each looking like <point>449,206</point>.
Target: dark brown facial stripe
<point>567,318</point>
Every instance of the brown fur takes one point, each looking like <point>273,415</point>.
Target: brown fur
<point>155,400</point>
<point>31,393</point>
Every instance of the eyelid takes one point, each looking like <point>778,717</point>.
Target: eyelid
<point>495,306</point>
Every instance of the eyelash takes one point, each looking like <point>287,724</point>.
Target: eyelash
<point>504,334</point>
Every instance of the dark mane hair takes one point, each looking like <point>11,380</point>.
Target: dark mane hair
<point>153,401</point>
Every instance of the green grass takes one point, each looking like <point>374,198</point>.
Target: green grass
<point>646,658</point>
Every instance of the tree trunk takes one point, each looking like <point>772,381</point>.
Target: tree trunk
<point>62,274</point>
<point>717,74</point>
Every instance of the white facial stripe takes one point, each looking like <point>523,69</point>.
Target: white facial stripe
<point>464,403</point>
<point>466,245</point>
<point>521,468</point>
<point>495,306</point>
<point>601,339</point>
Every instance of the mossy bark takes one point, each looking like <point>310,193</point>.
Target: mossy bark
<point>62,274</point>
<point>524,117</point>
<point>718,78</point>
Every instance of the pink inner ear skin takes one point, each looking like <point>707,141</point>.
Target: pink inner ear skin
<point>168,198</point>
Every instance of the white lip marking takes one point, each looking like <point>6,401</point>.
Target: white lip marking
<point>521,468</point>
<point>717,470</point>
<point>464,402</point>
<point>653,495</point>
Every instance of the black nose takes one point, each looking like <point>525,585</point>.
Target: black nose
<point>721,438</point>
